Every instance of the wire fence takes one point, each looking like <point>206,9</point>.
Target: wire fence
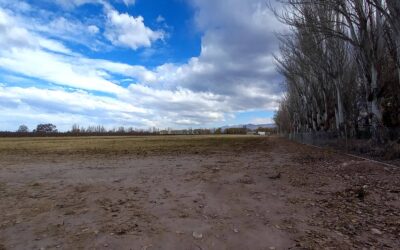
<point>362,145</point>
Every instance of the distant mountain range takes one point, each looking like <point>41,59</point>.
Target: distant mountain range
<point>250,126</point>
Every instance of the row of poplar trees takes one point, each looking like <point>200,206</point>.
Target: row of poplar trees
<point>341,64</point>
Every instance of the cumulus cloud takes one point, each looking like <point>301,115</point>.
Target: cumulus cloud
<point>120,29</point>
<point>172,106</point>
<point>236,55</point>
<point>128,31</point>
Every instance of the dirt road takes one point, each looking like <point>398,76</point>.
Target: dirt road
<point>192,193</point>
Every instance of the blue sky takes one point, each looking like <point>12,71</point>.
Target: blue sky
<point>137,63</point>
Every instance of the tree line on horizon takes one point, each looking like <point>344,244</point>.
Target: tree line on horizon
<point>341,65</point>
<point>49,129</point>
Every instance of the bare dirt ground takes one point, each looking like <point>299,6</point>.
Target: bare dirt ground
<point>192,193</point>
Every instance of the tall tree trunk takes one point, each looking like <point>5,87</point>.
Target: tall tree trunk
<point>339,105</point>
<point>393,8</point>
<point>375,109</point>
<point>397,44</point>
<point>314,123</point>
<point>337,119</point>
<point>325,115</point>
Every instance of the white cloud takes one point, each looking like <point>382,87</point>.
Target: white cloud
<point>236,59</point>
<point>128,31</point>
<point>29,54</point>
<point>266,120</point>
<point>171,107</point>
<point>137,72</point>
<point>16,5</point>
<point>159,108</point>
<point>69,30</point>
<point>76,101</point>
<point>55,69</point>
<point>70,4</point>
<point>19,29</point>
<point>160,19</point>
<point>129,2</point>
<point>44,105</point>
<point>120,29</point>
<point>93,29</point>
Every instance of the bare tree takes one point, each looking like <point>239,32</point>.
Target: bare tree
<point>46,128</point>
<point>23,129</point>
<point>340,61</point>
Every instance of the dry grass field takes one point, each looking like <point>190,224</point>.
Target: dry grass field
<point>136,145</point>
<point>192,192</point>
